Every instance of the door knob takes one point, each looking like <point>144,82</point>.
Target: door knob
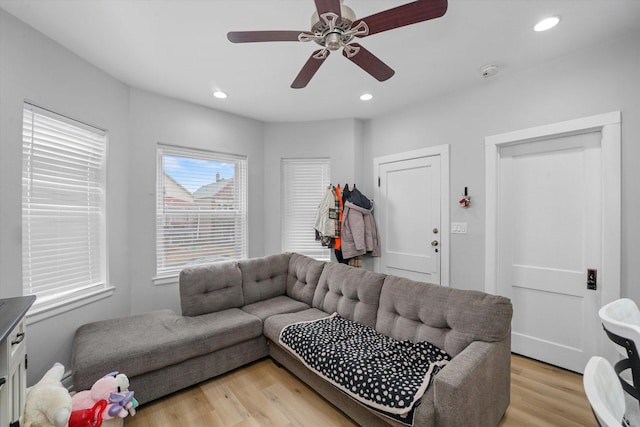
<point>434,243</point>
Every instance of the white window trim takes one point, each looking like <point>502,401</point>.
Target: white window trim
<point>171,277</point>
<point>39,313</point>
<point>286,204</point>
<point>43,310</point>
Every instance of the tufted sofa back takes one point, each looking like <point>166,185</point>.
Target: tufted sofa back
<point>449,318</point>
<point>351,292</point>
<point>212,287</point>
<point>303,276</point>
<point>264,278</point>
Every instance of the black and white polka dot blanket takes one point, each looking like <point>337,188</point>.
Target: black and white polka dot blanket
<point>387,375</point>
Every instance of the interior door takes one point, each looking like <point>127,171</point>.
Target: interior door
<point>550,246</point>
<point>409,218</point>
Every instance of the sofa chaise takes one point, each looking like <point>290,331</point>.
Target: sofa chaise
<point>234,312</point>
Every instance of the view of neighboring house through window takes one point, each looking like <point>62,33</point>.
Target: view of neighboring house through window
<point>63,207</point>
<point>304,183</point>
<point>201,208</point>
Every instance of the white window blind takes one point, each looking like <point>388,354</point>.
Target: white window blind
<point>201,208</point>
<point>63,207</point>
<point>304,182</point>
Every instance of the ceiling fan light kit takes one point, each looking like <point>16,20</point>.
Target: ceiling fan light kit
<point>334,26</point>
<point>546,24</point>
<point>220,94</point>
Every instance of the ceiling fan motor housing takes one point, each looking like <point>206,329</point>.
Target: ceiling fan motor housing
<point>348,16</point>
<point>329,31</point>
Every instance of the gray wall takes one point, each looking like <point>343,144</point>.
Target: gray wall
<point>339,140</point>
<point>156,119</point>
<point>597,80</point>
<point>34,68</point>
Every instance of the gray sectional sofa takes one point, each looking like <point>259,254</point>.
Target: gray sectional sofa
<point>233,313</point>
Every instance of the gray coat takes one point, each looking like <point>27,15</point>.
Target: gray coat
<point>359,232</point>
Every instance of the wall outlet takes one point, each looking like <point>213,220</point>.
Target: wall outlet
<point>459,228</point>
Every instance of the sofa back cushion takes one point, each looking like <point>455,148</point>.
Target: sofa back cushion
<point>265,277</point>
<point>351,292</point>
<point>449,318</point>
<point>210,288</point>
<point>303,276</point>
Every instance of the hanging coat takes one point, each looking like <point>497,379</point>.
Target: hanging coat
<point>327,219</point>
<point>359,232</point>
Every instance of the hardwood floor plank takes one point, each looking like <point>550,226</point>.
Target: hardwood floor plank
<point>261,394</point>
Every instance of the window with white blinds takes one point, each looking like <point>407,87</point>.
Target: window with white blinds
<point>63,207</point>
<point>201,208</point>
<point>304,182</point>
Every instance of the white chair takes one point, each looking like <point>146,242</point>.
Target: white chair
<point>621,322</point>
<point>604,393</point>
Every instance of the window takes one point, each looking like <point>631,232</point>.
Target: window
<point>304,183</point>
<point>63,207</point>
<point>201,208</point>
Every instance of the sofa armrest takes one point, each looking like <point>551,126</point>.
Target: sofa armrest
<point>474,388</point>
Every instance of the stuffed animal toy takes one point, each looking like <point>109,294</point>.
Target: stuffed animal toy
<point>114,388</point>
<point>88,417</point>
<point>47,403</point>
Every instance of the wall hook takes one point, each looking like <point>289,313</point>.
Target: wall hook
<point>465,202</point>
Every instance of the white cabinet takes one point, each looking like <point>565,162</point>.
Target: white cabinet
<point>13,359</point>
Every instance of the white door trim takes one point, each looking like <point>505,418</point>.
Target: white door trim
<point>445,225</point>
<point>609,125</point>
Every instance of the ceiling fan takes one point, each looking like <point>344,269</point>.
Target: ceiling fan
<point>334,26</point>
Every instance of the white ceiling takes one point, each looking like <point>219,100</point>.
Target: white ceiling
<point>179,48</point>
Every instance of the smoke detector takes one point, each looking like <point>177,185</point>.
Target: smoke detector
<point>489,70</point>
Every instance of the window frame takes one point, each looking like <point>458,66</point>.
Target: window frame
<point>168,275</point>
<point>307,209</point>
<point>72,140</point>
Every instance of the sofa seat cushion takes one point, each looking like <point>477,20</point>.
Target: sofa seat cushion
<point>274,324</point>
<point>273,306</point>
<point>143,343</point>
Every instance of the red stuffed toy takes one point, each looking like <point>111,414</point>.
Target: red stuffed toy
<point>91,417</point>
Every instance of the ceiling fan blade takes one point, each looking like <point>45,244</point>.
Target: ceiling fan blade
<point>308,70</point>
<point>263,36</point>
<point>410,13</point>
<point>328,6</point>
<point>369,62</point>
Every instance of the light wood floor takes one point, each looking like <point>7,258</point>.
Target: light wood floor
<point>262,394</point>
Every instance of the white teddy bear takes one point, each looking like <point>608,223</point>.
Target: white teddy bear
<point>48,402</point>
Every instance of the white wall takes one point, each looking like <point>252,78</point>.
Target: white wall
<point>339,140</point>
<point>34,68</point>
<point>593,81</point>
<point>157,119</point>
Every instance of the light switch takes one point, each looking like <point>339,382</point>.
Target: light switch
<point>459,228</point>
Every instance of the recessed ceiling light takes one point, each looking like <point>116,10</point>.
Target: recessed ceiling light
<point>366,97</point>
<point>219,94</point>
<point>547,24</point>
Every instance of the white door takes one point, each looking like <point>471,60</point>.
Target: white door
<point>409,217</point>
<point>550,232</point>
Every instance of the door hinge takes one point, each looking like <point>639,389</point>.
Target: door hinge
<point>26,362</point>
<point>378,181</point>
